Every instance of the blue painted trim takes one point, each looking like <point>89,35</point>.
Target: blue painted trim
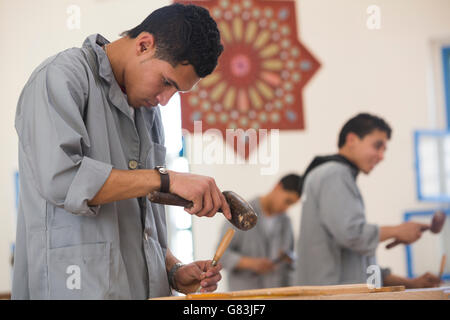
<point>408,248</point>
<point>418,134</point>
<point>183,147</point>
<point>408,251</point>
<point>416,157</point>
<point>446,67</point>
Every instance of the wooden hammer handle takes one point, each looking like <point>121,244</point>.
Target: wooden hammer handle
<point>397,242</point>
<point>171,199</point>
<point>393,244</point>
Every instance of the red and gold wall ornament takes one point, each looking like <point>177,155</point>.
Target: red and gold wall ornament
<point>261,73</point>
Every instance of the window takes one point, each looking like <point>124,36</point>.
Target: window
<point>432,153</point>
<point>179,223</point>
<point>425,255</point>
<point>432,147</point>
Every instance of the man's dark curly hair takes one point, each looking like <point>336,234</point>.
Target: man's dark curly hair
<point>362,125</point>
<point>183,33</point>
<point>292,182</point>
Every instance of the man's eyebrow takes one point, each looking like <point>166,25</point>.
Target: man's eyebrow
<point>173,83</point>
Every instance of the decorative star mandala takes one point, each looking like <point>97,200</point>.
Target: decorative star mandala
<point>259,80</point>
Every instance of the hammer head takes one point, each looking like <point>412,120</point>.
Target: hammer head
<point>437,222</point>
<point>243,216</point>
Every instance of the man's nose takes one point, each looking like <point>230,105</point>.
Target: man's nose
<point>164,97</point>
<point>381,155</point>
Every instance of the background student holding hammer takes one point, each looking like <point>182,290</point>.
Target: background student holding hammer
<point>263,256</point>
<point>336,244</point>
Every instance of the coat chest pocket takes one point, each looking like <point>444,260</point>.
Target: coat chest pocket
<point>79,272</point>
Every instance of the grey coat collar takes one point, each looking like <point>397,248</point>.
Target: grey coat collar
<point>116,96</point>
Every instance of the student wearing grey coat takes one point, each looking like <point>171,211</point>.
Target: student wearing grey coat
<point>253,259</point>
<point>337,244</point>
<point>88,151</point>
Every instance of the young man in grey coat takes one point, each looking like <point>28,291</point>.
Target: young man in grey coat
<point>262,257</point>
<point>91,148</point>
<point>336,244</point>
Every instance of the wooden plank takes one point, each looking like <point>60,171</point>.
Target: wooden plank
<point>5,295</point>
<point>293,291</point>
<point>281,291</point>
<point>170,298</point>
<point>384,293</point>
<point>290,291</point>
<point>401,295</point>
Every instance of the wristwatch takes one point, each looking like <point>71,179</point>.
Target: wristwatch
<point>165,182</point>
<point>171,275</point>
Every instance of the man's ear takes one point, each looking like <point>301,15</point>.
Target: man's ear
<point>278,187</point>
<point>351,138</point>
<point>145,44</point>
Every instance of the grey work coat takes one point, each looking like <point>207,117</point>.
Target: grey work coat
<point>257,243</point>
<point>336,244</point>
<point>74,125</point>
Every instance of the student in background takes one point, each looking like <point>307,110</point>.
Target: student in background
<point>336,244</point>
<point>263,256</point>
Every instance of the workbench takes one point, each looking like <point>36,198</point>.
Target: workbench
<point>338,292</point>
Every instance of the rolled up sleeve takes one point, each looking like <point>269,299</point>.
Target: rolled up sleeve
<point>81,192</point>
<point>55,140</point>
<point>342,212</point>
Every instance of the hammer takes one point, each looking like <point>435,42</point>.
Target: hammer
<point>243,216</point>
<point>284,256</point>
<point>436,226</point>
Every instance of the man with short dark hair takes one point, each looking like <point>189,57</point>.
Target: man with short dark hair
<point>336,244</point>
<point>91,148</point>
<point>263,256</point>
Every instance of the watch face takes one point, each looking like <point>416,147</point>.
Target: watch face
<point>162,170</point>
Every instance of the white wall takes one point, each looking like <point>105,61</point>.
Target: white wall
<point>382,71</point>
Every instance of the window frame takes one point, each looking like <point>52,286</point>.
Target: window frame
<point>408,216</point>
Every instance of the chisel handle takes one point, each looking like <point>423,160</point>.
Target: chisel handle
<point>224,243</point>
<point>223,246</point>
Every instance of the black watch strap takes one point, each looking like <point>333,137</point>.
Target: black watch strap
<point>171,275</point>
<point>165,182</point>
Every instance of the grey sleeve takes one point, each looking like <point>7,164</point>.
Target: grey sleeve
<point>291,269</point>
<point>232,255</point>
<point>342,213</point>
<point>54,139</point>
<point>385,272</point>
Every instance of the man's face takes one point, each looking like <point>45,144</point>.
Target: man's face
<point>283,199</point>
<point>368,151</point>
<point>150,81</point>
